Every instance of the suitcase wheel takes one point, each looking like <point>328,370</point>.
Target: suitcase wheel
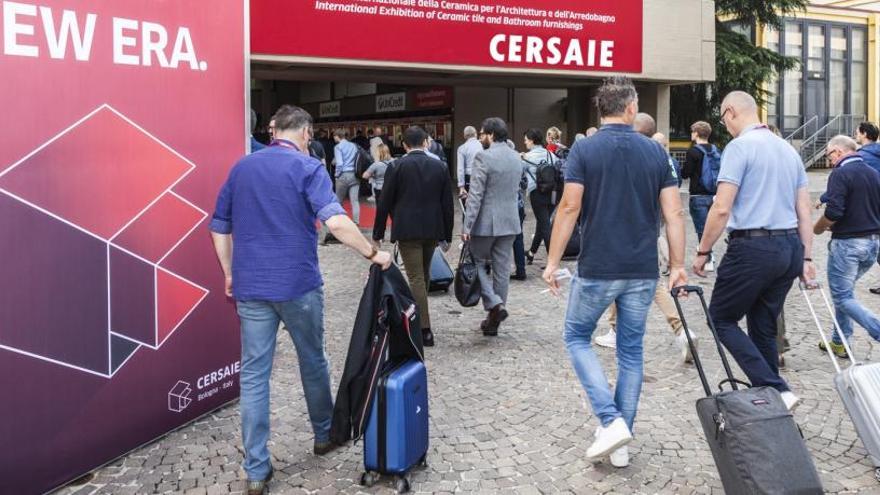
<point>423,462</point>
<point>369,479</point>
<point>877,473</point>
<point>402,485</point>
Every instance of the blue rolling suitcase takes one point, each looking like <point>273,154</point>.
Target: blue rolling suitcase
<point>396,437</point>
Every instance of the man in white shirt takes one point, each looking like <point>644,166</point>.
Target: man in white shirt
<point>466,154</point>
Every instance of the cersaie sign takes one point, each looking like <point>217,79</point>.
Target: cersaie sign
<point>568,35</point>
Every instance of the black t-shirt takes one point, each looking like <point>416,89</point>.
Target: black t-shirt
<point>693,169</point>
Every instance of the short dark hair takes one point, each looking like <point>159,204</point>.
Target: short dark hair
<point>535,136</point>
<point>414,136</point>
<point>869,130</point>
<point>615,94</point>
<point>290,117</point>
<point>497,128</point>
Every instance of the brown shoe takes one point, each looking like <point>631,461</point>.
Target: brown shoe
<point>498,314</point>
<point>260,487</point>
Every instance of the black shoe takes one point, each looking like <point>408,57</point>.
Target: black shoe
<point>498,314</point>
<point>875,290</point>
<point>518,276</point>
<point>427,337</point>
<point>530,258</point>
<point>324,448</point>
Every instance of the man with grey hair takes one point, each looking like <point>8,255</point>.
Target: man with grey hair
<point>763,203</point>
<point>465,159</point>
<point>852,214</point>
<point>644,124</point>
<point>268,207</point>
<point>618,259</point>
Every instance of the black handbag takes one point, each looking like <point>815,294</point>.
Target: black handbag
<point>467,284</point>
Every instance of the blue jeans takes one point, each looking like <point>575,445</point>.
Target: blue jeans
<point>304,319</point>
<point>699,207</point>
<point>588,300</point>
<point>753,280</point>
<point>848,261</point>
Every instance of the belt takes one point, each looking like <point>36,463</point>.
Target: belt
<point>762,233</point>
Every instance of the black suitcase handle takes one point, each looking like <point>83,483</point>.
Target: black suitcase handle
<point>690,289</point>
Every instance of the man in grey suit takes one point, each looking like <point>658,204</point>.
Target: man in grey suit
<point>491,221</point>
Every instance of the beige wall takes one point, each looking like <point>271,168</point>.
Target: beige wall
<point>679,40</point>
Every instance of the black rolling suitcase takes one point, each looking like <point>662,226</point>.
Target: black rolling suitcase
<point>757,446</point>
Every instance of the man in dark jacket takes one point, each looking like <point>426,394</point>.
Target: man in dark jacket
<point>418,196</point>
<point>867,135</point>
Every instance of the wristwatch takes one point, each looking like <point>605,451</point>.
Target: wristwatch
<point>703,253</point>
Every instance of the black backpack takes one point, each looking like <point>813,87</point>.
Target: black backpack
<point>548,175</point>
<point>362,161</point>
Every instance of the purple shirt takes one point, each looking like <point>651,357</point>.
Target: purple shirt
<point>270,204</point>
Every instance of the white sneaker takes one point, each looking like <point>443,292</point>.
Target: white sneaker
<point>608,340</point>
<point>686,354</point>
<point>609,439</point>
<point>791,401</point>
<point>620,457</point>
<point>710,266</point>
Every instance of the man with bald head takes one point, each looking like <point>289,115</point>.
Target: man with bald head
<point>763,202</point>
<point>644,124</point>
<point>852,215</point>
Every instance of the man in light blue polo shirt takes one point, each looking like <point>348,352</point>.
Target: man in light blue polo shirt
<point>347,183</point>
<point>268,208</point>
<point>763,202</point>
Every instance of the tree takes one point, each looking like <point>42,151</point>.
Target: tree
<point>740,65</point>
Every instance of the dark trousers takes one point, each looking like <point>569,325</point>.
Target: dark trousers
<point>753,279</point>
<point>416,257</point>
<point>519,248</point>
<point>542,207</point>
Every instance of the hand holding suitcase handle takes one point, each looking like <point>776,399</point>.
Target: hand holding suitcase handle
<point>687,289</point>
<point>815,285</point>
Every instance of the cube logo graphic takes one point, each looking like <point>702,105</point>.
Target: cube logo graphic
<point>88,219</point>
<point>178,396</point>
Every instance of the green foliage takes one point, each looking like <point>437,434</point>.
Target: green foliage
<point>740,65</point>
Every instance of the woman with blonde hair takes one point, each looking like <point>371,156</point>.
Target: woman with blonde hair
<point>554,139</point>
<point>376,173</point>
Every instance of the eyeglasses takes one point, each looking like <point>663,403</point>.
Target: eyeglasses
<point>723,114</point>
<point>830,153</point>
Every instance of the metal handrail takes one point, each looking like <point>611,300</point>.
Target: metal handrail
<point>811,150</point>
<point>802,129</point>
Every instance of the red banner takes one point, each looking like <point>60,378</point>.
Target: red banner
<point>569,35</point>
<point>120,123</point>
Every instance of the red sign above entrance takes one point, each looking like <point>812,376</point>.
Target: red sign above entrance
<point>569,35</point>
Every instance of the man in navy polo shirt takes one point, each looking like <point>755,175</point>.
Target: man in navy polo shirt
<point>619,182</point>
<point>268,208</point>
<point>853,216</point>
<point>763,202</point>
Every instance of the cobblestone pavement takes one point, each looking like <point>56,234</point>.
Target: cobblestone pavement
<point>507,414</point>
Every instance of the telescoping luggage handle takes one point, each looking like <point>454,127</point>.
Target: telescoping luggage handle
<point>805,289</point>
<point>689,289</point>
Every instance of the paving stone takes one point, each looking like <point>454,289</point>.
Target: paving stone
<point>508,414</point>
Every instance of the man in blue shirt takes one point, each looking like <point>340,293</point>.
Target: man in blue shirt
<point>268,208</point>
<point>853,216</point>
<point>619,182</point>
<point>763,202</point>
<point>347,183</point>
